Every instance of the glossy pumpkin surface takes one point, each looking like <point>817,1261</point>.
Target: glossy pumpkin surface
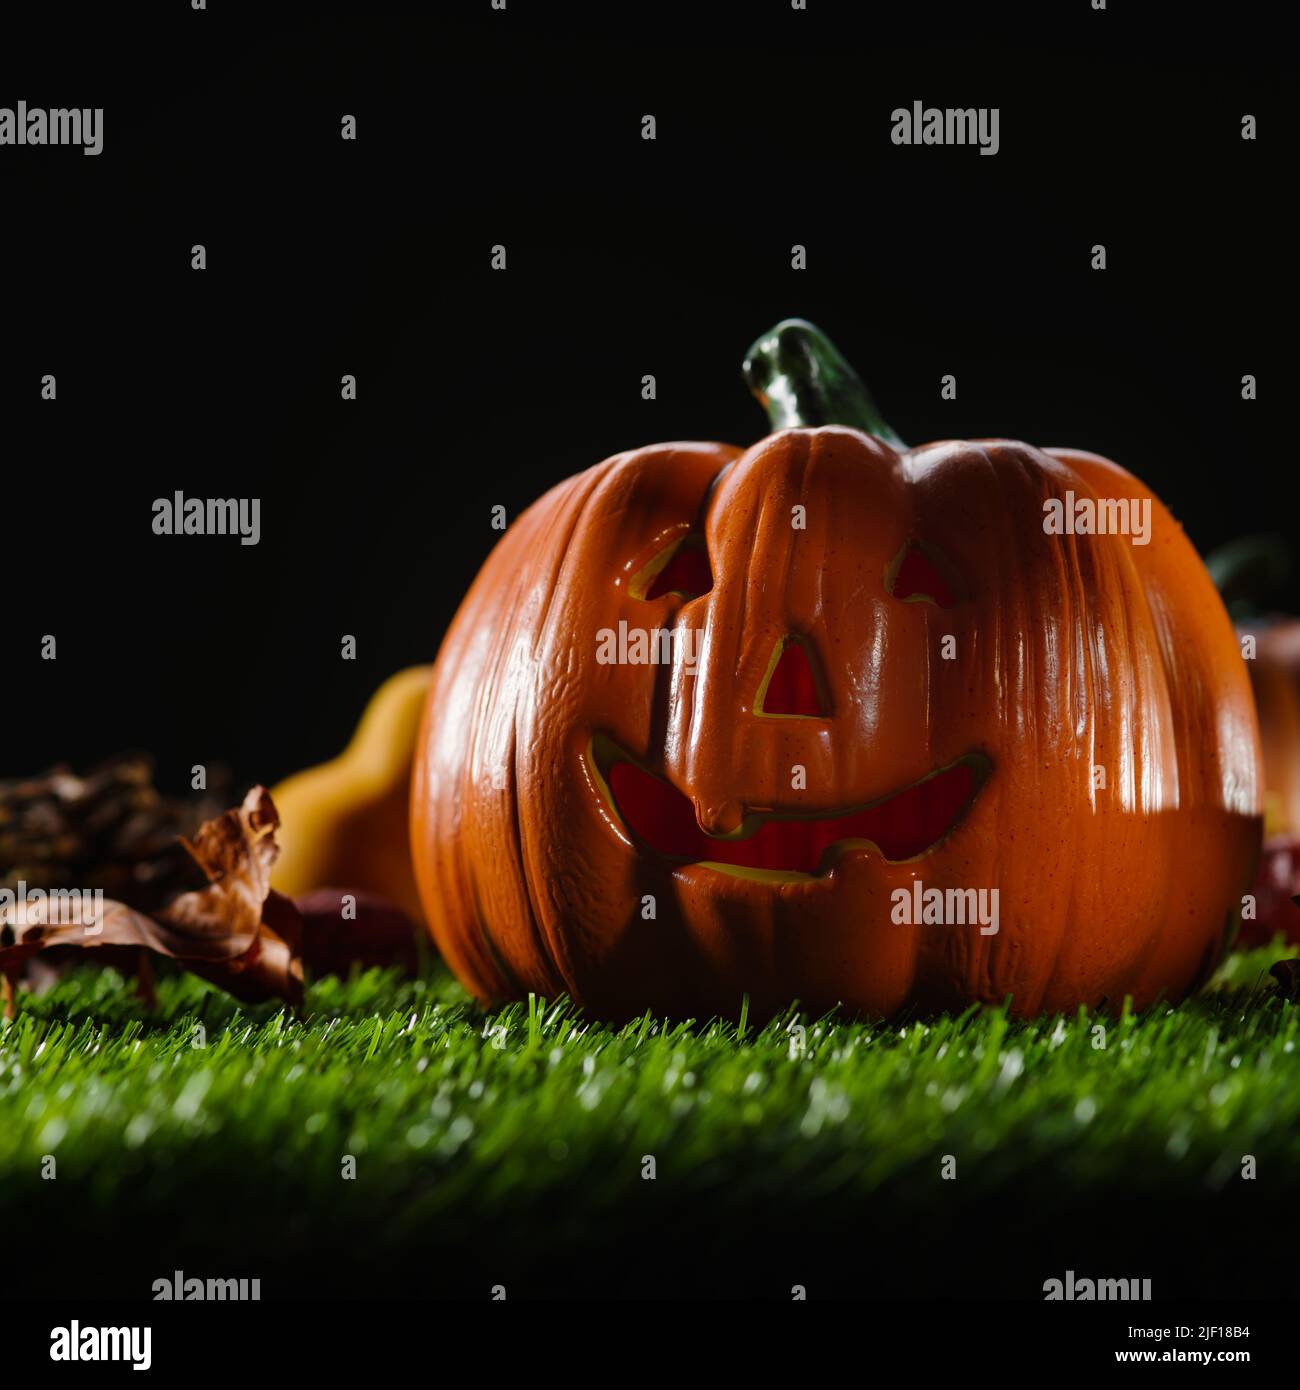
<point>880,669</point>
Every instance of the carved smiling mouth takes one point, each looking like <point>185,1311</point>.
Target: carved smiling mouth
<point>902,826</point>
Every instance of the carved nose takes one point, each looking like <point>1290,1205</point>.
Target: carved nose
<point>720,819</point>
<point>792,685</point>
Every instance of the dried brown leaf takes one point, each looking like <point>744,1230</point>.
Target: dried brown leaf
<point>235,932</point>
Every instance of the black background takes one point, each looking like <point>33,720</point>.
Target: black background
<point>625,257</point>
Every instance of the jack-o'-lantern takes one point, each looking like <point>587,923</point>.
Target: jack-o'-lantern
<point>834,720</point>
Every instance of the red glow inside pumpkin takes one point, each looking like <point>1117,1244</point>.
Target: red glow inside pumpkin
<point>793,687</point>
<point>918,577</point>
<point>902,826</point>
<point>686,573</point>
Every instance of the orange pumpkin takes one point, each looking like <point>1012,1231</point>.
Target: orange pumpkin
<point>714,722</point>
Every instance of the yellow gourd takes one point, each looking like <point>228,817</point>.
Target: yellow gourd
<point>344,824</point>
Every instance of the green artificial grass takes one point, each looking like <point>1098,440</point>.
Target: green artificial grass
<point>514,1144</point>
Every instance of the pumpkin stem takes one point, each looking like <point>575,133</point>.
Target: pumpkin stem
<point>801,379</point>
<point>1248,570</point>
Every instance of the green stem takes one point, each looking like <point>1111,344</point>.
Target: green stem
<point>800,379</point>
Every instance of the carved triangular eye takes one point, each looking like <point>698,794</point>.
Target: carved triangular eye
<point>914,577</point>
<point>681,568</point>
<point>792,686</point>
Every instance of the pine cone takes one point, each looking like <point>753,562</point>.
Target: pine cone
<point>109,829</point>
